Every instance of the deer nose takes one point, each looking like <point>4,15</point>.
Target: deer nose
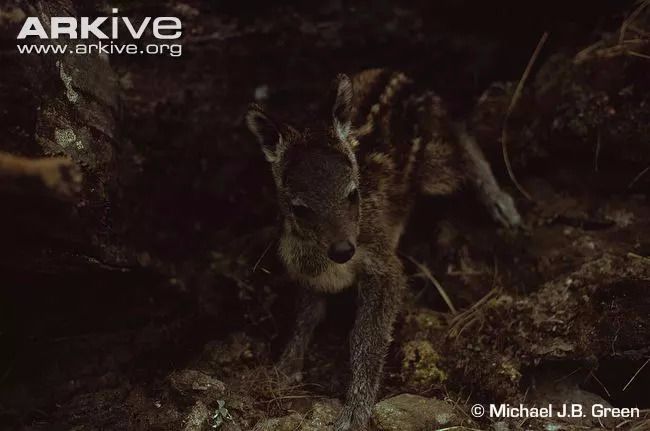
<point>341,251</point>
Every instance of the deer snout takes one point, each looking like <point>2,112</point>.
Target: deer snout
<point>341,251</point>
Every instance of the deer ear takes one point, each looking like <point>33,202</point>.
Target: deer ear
<point>265,130</point>
<point>342,109</point>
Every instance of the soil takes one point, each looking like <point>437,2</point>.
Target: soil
<point>178,307</point>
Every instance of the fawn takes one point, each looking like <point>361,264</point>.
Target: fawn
<point>345,189</point>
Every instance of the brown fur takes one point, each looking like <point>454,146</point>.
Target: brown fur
<point>354,180</point>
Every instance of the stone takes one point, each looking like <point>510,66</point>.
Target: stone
<point>500,426</point>
<point>284,423</point>
<point>322,415</point>
<point>198,418</point>
<point>565,393</point>
<point>319,418</point>
<point>192,382</point>
<point>407,412</point>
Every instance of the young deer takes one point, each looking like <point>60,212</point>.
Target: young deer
<point>345,193</point>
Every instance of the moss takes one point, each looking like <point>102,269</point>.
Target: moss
<point>70,93</point>
<point>420,364</point>
<point>65,137</point>
<point>423,323</point>
<point>427,319</point>
<point>510,371</point>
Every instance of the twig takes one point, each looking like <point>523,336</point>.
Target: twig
<point>586,52</point>
<point>293,397</point>
<point>638,256</point>
<point>513,102</point>
<point>600,383</point>
<point>638,177</point>
<point>435,282</point>
<point>641,426</point>
<point>614,340</point>
<point>597,154</point>
<point>626,421</point>
<point>457,427</point>
<point>568,375</point>
<point>468,317</point>
<point>636,374</point>
<point>597,50</point>
<point>266,250</point>
<point>638,54</point>
<point>630,19</point>
<point>638,30</point>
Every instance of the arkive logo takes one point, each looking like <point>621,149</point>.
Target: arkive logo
<point>164,28</point>
<point>101,35</point>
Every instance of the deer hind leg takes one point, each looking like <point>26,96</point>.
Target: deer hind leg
<point>441,172</point>
<point>439,158</point>
<point>453,159</point>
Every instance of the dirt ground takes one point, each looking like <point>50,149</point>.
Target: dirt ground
<point>157,302</point>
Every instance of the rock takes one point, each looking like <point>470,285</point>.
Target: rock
<point>322,414</point>
<point>319,418</point>
<point>408,412</point>
<point>198,419</point>
<point>565,393</point>
<point>196,383</point>
<point>285,423</point>
<point>164,415</point>
<point>230,426</point>
<point>232,355</point>
<point>500,426</point>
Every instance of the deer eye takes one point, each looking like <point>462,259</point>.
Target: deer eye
<point>353,196</point>
<point>302,211</point>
